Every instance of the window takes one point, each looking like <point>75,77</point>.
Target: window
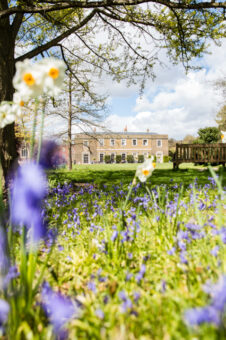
<point>112,158</point>
<point>159,143</point>
<point>101,157</point>
<point>86,143</point>
<point>123,142</point>
<point>123,157</point>
<point>145,142</point>
<point>145,155</point>
<point>85,158</point>
<point>24,153</point>
<point>112,142</point>
<point>101,142</point>
<point>134,142</point>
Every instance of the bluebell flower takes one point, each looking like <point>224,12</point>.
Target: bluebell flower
<point>197,316</point>
<point>114,235</point>
<point>59,309</point>
<point>4,311</point>
<point>50,156</point>
<point>4,260</point>
<point>91,286</point>
<point>127,303</point>
<point>215,251</point>
<point>99,313</point>
<point>141,273</point>
<point>29,189</point>
<point>171,251</point>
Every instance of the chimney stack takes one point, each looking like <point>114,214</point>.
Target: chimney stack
<point>147,130</point>
<point>125,128</point>
<point>94,130</point>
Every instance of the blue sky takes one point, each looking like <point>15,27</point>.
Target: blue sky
<point>175,103</point>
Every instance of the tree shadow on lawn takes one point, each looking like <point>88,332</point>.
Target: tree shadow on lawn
<point>159,176</point>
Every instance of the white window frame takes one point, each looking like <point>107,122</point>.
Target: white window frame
<point>101,142</point>
<point>112,142</point>
<point>143,142</point>
<point>159,140</point>
<point>146,155</point>
<point>85,143</point>
<point>113,153</point>
<point>122,142</point>
<point>159,154</point>
<point>83,155</point>
<point>133,141</point>
<point>101,153</point>
<point>124,153</point>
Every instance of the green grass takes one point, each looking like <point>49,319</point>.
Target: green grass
<point>117,173</point>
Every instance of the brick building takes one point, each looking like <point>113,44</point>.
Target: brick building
<point>92,149</point>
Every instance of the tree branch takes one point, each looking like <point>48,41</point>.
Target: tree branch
<point>55,41</point>
<point>61,5</point>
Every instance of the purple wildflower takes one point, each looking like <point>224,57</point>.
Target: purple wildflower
<point>58,308</point>
<point>141,273</point>
<point>197,316</point>
<point>50,156</point>
<point>99,313</point>
<point>4,311</point>
<point>127,303</point>
<point>91,286</point>
<point>215,251</point>
<point>114,235</point>
<point>171,251</point>
<point>29,188</point>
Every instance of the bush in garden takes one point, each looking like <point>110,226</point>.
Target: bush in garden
<point>166,159</point>
<point>140,158</point>
<point>130,159</point>
<point>107,159</point>
<point>118,158</point>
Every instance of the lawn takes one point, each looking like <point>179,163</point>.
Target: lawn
<point>124,173</point>
<point>120,260</point>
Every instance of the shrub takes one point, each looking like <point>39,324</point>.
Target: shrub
<point>166,159</point>
<point>140,158</point>
<point>118,158</point>
<point>130,159</point>
<point>107,159</point>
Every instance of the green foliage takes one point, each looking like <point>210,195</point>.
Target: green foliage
<point>107,159</point>
<point>130,159</point>
<point>209,135</point>
<point>165,159</point>
<point>140,158</point>
<point>118,158</point>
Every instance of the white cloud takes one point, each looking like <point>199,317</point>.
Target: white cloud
<point>176,103</point>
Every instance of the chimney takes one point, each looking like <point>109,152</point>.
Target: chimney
<point>94,130</point>
<point>125,128</point>
<point>147,130</point>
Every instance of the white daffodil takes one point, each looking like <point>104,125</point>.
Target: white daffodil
<point>54,72</point>
<point>223,136</point>
<point>7,113</point>
<point>28,79</point>
<point>145,169</point>
<point>20,101</point>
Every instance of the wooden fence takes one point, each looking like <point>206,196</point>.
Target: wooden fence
<point>200,153</point>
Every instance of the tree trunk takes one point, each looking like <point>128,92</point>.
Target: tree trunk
<point>69,123</point>
<point>8,152</point>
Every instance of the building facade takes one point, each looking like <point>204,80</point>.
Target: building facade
<point>93,149</point>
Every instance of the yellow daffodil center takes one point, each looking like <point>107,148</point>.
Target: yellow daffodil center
<point>145,172</point>
<point>54,73</point>
<point>222,136</point>
<point>21,103</point>
<point>154,165</point>
<point>4,115</point>
<point>28,79</point>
